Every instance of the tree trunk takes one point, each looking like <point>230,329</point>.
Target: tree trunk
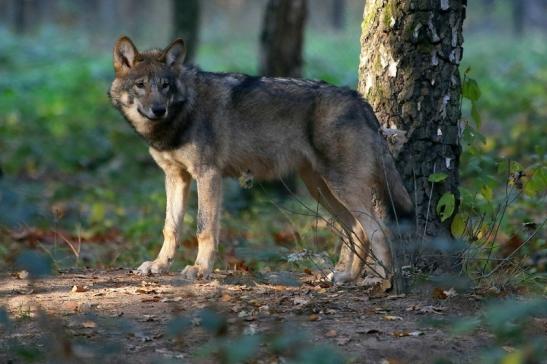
<point>282,38</point>
<point>186,24</point>
<point>408,72</point>
<point>519,7</point>
<point>338,14</point>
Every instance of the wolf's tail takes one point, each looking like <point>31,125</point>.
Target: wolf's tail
<point>395,192</point>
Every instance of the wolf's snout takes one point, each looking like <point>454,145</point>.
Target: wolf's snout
<point>158,111</point>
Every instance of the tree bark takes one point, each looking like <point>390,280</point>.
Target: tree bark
<point>282,38</point>
<point>186,24</point>
<point>338,14</point>
<point>408,72</point>
<point>518,7</point>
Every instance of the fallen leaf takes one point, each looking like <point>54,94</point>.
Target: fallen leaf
<point>300,301</point>
<point>343,340</point>
<point>396,296</point>
<point>405,333</point>
<point>392,318</point>
<point>226,298</point>
<point>450,293</point>
<point>70,306</point>
<point>426,309</point>
<point>146,291</point>
<point>331,333</point>
<point>438,293</point>
<point>22,274</point>
<point>151,299</point>
<point>79,288</point>
<point>149,318</point>
<point>89,324</point>
<point>313,317</point>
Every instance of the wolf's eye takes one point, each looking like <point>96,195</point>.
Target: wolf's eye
<point>165,85</point>
<point>139,84</point>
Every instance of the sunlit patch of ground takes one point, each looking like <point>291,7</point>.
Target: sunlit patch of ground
<point>91,314</point>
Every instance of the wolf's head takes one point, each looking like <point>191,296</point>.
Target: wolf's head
<point>147,87</point>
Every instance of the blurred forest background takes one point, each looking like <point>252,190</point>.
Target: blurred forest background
<point>79,185</point>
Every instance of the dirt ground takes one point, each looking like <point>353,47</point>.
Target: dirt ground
<point>115,316</point>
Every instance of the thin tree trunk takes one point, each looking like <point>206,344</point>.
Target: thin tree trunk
<point>410,52</point>
<point>519,10</point>
<point>186,24</point>
<point>282,38</point>
<point>338,14</point>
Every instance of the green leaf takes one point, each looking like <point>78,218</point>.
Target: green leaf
<point>437,177</point>
<point>487,192</point>
<point>471,90</point>
<point>515,167</point>
<point>446,206</point>
<point>537,183</point>
<point>475,115</point>
<point>458,224</point>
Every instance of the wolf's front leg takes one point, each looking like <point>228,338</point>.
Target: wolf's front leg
<point>177,188</point>
<point>209,210</point>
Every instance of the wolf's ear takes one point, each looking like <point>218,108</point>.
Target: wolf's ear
<point>124,55</point>
<point>175,53</point>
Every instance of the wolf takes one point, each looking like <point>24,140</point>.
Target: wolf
<point>204,126</point>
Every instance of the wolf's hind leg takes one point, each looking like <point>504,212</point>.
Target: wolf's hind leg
<point>359,201</point>
<point>209,211</point>
<point>177,188</point>
<point>353,235</point>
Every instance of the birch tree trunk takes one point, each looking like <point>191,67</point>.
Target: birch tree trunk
<point>408,72</point>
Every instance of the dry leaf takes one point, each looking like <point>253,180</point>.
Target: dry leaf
<point>426,309</point>
<point>226,298</point>
<point>331,333</point>
<point>392,318</point>
<point>300,301</point>
<point>313,317</point>
<point>22,274</point>
<point>404,333</point>
<point>396,296</point>
<point>438,293</point>
<point>343,340</point>
<point>79,288</point>
<point>146,291</point>
<point>450,293</point>
<point>151,299</point>
<point>89,324</point>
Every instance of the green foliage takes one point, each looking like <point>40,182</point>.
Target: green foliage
<point>503,162</point>
<point>446,206</point>
<point>437,177</point>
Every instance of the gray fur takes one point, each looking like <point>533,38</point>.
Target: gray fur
<point>230,124</point>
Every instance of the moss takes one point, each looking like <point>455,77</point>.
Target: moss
<point>390,12</point>
<point>377,65</point>
<point>371,10</point>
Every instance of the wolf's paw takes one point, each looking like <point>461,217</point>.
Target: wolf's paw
<point>152,267</point>
<point>193,272</point>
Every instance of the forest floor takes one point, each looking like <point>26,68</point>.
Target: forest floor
<point>116,316</point>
